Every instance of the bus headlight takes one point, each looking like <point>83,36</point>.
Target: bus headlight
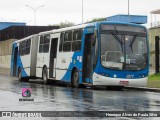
<point>142,75</point>
<point>105,74</point>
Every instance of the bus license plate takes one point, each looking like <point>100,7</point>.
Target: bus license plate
<point>124,82</point>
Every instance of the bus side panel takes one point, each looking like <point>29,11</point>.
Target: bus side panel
<point>25,65</point>
<point>42,60</point>
<point>21,65</point>
<point>33,63</point>
<point>63,71</point>
<point>66,63</point>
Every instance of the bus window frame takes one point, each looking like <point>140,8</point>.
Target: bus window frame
<point>66,41</point>
<point>43,43</point>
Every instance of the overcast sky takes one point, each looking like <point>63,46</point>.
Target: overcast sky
<point>56,11</point>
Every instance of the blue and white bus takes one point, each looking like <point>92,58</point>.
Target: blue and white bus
<point>101,53</point>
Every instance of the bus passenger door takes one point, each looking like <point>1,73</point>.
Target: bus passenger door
<point>15,56</point>
<point>87,59</point>
<point>53,55</point>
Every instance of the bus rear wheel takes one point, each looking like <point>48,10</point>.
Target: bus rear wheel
<point>45,75</point>
<point>75,79</point>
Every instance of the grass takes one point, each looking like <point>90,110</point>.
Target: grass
<point>154,77</point>
<point>154,81</point>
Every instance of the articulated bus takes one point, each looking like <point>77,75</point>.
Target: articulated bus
<point>101,53</point>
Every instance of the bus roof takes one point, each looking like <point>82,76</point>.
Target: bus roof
<point>63,29</point>
<point>80,26</point>
<point>88,25</point>
<point>24,38</point>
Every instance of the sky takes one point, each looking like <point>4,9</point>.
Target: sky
<point>56,11</point>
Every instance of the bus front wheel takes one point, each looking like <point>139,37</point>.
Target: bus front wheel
<point>75,78</point>
<point>45,76</point>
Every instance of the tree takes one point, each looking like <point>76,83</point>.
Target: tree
<point>66,24</point>
<point>69,24</point>
<point>97,20</point>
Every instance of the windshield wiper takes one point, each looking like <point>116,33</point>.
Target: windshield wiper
<point>118,39</point>
<point>132,41</point>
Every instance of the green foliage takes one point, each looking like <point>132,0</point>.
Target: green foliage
<point>154,81</point>
<point>97,20</point>
<point>152,52</point>
<point>154,77</point>
<point>65,24</point>
<point>69,24</point>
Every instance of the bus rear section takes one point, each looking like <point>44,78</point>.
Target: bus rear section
<point>23,62</point>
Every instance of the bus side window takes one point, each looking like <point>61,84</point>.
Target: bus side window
<point>67,41</point>
<point>77,40</point>
<point>41,44</point>
<point>61,42</point>
<point>20,48</point>
<point>28,44</point>
<point>23,47</point>
<point>46,43</point>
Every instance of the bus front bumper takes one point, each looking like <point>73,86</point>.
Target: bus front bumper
<point>107,81</point>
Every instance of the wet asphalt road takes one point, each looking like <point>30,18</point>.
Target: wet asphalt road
<point>62,98</point>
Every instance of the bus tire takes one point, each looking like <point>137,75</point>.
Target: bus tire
<point>75,79</point>
<point>45,75</point>
<point>20,76</point>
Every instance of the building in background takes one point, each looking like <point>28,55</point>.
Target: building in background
<point>9,33</point>
<point>19,32</point>
<point>4,25</point>
<point>154,30</point>
<point>138,19</point>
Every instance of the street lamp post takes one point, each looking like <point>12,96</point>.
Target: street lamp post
<point>128,7</point>
<point>128,12</point>
<point>35,10</point>
<point>82,11</point>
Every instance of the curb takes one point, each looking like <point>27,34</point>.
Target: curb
<point>143,89</point>
<point>2,73</point>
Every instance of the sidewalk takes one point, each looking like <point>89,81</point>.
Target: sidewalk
<point>5,71</point>
<point>143,89</point>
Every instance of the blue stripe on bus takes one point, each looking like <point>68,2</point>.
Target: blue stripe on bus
<point>75,63</point>
<point>19,63</point>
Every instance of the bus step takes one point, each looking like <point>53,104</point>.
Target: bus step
<point>52,78</point>
<point>87,84</point>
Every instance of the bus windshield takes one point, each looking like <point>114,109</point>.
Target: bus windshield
<point>123,51</point>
